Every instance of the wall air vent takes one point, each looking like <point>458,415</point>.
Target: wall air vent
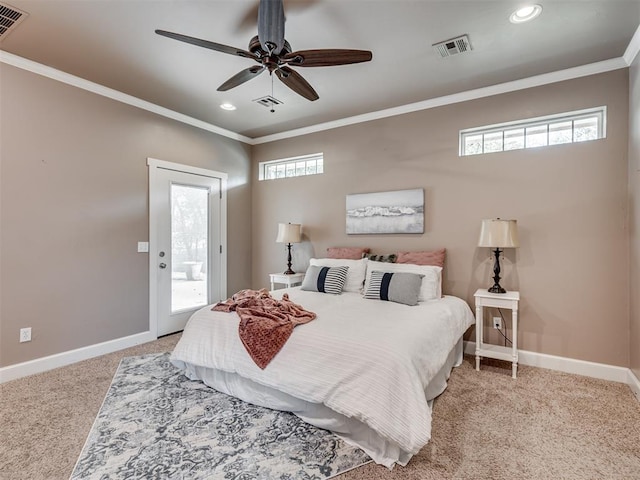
<point>453,47</point>
<point>10,17</point>
<point>268,101</point>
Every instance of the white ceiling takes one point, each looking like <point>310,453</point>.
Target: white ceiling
<point>112,43</point>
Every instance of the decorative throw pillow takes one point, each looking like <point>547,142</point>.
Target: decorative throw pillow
<point>396,287</point>
<point>426,257</point>
<point>325,279</point>
<point>431,283</point>
<point>391,258</point>
<point>355,276</point>
<point>352,253</point>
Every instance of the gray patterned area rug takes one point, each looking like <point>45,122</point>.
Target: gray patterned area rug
<point>157,424</point>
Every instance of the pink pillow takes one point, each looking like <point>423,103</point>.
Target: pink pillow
<point>352,253</point>
<point>427,257</point>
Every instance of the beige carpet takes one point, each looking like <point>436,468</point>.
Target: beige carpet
<point>544,425</point>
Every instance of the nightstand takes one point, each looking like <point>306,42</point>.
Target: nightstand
<point>497,300</point>
<point>288,280</point>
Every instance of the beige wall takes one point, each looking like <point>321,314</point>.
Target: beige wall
<point>73,205</point>
<point>73,193</point>
<point>570,202</point>
<point>634,213</point>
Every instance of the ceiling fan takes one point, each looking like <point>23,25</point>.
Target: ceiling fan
<point>273,53</point>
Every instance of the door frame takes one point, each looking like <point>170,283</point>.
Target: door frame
<point>154,200</point>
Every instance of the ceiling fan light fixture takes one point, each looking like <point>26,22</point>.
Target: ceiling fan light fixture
<point>228,106</point>
<point>526,13</point>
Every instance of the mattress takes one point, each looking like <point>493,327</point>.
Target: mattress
<point>363,369</point>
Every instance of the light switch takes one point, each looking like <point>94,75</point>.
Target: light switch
<point>143,247</point>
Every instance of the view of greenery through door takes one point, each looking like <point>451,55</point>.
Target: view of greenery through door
<point>189,246</point>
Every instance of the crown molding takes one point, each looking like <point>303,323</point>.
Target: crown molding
<point>633,48</point>
<point>530,82</point>
<point>60,76</point>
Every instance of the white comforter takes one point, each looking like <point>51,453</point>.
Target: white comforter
<point>366,359</point>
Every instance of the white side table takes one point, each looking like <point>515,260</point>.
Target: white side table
<point>497,300</point>
<point>289,280</point>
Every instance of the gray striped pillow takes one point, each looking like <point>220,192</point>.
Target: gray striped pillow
<point>399,287</point>
<point>325,279</point>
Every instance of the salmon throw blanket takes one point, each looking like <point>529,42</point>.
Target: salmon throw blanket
<point>265,323</point>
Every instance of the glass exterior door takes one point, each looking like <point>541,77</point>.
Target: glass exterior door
<point>186,257</point>
<point>189,247</point>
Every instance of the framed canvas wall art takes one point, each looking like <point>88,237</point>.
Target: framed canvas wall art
<point>398,211</point>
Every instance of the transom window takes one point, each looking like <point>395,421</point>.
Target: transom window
<point>292,167</point>
<point>569,127</point>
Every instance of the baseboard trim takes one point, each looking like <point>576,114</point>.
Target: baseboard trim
<point>567,365</point>
<point>39,365</point>
<point>533,359</point>
<point>634,383</point>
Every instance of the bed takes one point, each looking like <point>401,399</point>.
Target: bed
<point>365,369</point>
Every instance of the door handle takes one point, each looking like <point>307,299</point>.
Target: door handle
<point>163,265</point>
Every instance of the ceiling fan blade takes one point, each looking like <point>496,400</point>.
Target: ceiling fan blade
<point>248,20</point>
<point>207,44</point>
<point>241,77</point>
<point>326,57</point>
<point>271,25</point>
<point>295,82</point>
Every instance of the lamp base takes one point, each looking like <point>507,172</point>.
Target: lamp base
<point>289,271</point>
<point>496,274</point>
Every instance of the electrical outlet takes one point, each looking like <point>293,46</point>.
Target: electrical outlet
<point>497,322</point>
<point>25,334</point>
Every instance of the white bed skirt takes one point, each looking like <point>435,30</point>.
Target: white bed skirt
<point>351,430</point>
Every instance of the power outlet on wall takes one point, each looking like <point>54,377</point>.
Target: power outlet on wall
<point>25,334</point>
<point>497,322</point>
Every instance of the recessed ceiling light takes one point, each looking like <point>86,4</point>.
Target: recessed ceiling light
<point>227,106</point>
<point>525,14</point>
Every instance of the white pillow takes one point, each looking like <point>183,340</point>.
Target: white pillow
<point>431,283</point>
<point>355,275</point>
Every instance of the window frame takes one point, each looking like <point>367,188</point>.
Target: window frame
<point>263,166</point>
<point>599,112</point>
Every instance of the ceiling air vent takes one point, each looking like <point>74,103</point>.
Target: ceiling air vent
<point>9,19</point>
<point>268,101</point>
<point>453,47</point>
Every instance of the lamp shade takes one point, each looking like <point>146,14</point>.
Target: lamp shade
<point>497,233</point>
<point>288,233</point>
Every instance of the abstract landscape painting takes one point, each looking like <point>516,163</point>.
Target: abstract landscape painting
<point>399,211</point>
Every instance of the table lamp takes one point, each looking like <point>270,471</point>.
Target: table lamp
<point>497,234</point>
<point>288,233</point>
